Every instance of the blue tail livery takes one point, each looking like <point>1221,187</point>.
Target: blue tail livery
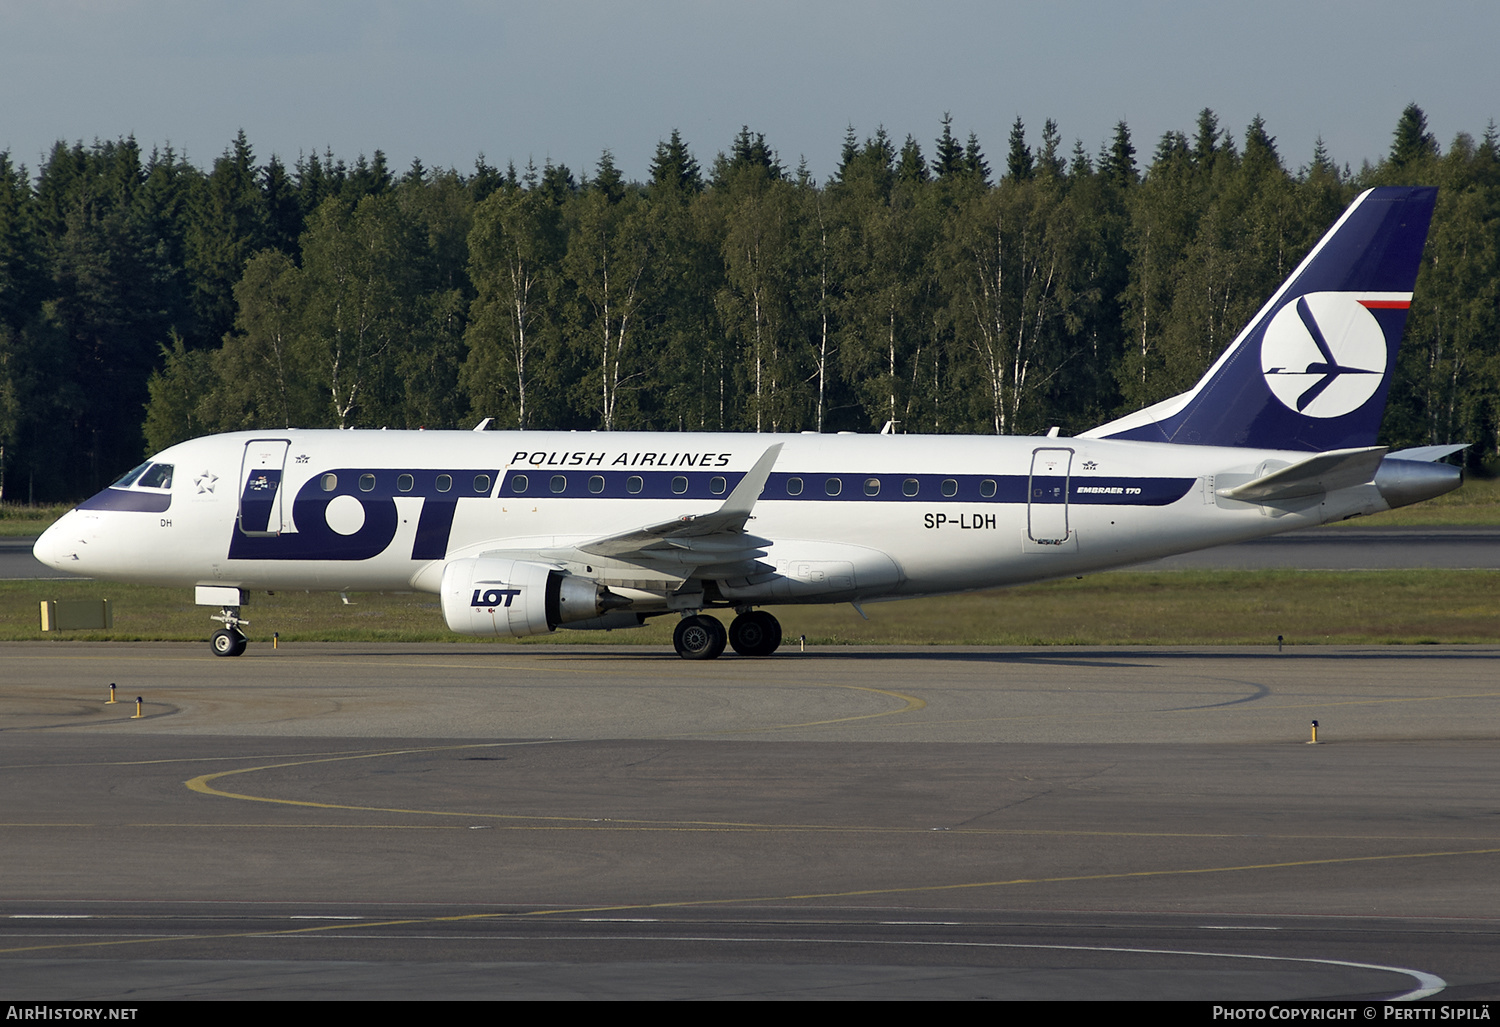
<point>1313,368</point>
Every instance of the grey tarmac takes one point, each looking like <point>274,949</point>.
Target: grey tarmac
<point>408,821</point>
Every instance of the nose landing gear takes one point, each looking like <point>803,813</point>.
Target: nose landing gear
<point>227,643</point>
<point>231,640</point>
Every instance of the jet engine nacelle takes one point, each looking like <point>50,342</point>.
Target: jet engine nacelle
<point>513,598</point>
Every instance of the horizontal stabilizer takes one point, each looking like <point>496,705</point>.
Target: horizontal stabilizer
<point>1430,454</point>
<point>1325,472</point>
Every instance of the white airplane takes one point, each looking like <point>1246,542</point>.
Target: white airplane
<point>523,533</point>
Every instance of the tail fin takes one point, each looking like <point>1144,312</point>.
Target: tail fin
<point>1313,368</point>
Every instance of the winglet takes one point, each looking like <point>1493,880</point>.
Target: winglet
<point>742,500</point>
<point>729,518</point>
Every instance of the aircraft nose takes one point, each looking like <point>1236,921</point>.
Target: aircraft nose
<point>54,550</point>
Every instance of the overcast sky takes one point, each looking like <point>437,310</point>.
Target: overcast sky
<point>445,81</point>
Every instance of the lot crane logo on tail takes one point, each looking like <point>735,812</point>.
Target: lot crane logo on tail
<point>1325,354</point>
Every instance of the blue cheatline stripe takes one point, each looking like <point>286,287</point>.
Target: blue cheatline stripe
<point>538,483</point>
<point>378,488</point>
<point>447,486</point>
<point>847,488</point>
<point>395,483</point>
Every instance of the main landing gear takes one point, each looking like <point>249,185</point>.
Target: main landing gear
<point>752,633</point>
<point>755,633</point>
<point>699,637</point>
<point>230,641</point>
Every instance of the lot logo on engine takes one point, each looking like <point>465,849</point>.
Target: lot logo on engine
<point>493,597</point>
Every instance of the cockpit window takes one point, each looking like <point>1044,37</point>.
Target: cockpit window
<point>129,477</point>
<point>158,477</point>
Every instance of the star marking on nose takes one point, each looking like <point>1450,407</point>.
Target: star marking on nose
<point>205,482</point>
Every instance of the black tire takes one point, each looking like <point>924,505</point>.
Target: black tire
<point>227,643</point>
<point>699,638</point>
<point>756,633</point>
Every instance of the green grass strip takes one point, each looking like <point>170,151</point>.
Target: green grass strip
<point>1121,608</point>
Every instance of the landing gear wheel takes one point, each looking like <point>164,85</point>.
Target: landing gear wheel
<point>756,633</point>
<point>699,638</point>
<point>227,643</point>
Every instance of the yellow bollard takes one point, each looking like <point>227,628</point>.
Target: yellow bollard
<point>1314,734</point>
<point>275,640</point>
<point>111,700</point>
<point>138,714</point>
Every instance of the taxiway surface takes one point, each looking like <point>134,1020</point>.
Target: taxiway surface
<point>388,821</point>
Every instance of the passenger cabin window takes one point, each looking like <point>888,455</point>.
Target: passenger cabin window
<point>633,484</point>
<point>987,489</point>
<point>950,487</point>
<point>717,486</point>
<point>833,486</point>
<point>909,487</point>
<point>596,484</point>
<point>679,485</point>
<point>872,486</point>
<point>330,481</point>
<point>404,482</point>
<point>518,483</point>
<point>559,483</point>
<point>366,482</point>
<point>444,482</point>
<point>794,486</point>
<point>482,483</point>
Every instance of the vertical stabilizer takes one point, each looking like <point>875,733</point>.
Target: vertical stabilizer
<point>1313,368</point>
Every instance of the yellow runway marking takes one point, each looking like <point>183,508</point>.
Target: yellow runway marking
<point>210,759</point>
<point>203,784</point>
<point>700,827</point>
<point>748,900</point>
<point>913,704</point>
<point>218,825</point>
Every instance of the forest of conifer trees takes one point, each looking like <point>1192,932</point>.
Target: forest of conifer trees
<point>144,300</point>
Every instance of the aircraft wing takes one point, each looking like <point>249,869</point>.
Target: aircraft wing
<point>696,540</point>
<point>1323,472</point>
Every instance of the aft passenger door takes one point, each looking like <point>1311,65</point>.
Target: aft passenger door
<point>263,511</point>
<point>1047,496</point>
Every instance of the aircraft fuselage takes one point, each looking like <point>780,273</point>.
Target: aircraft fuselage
<point>849,517</point>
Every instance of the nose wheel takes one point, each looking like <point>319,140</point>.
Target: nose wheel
<point>227,643</point>
<point>230,640</point>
